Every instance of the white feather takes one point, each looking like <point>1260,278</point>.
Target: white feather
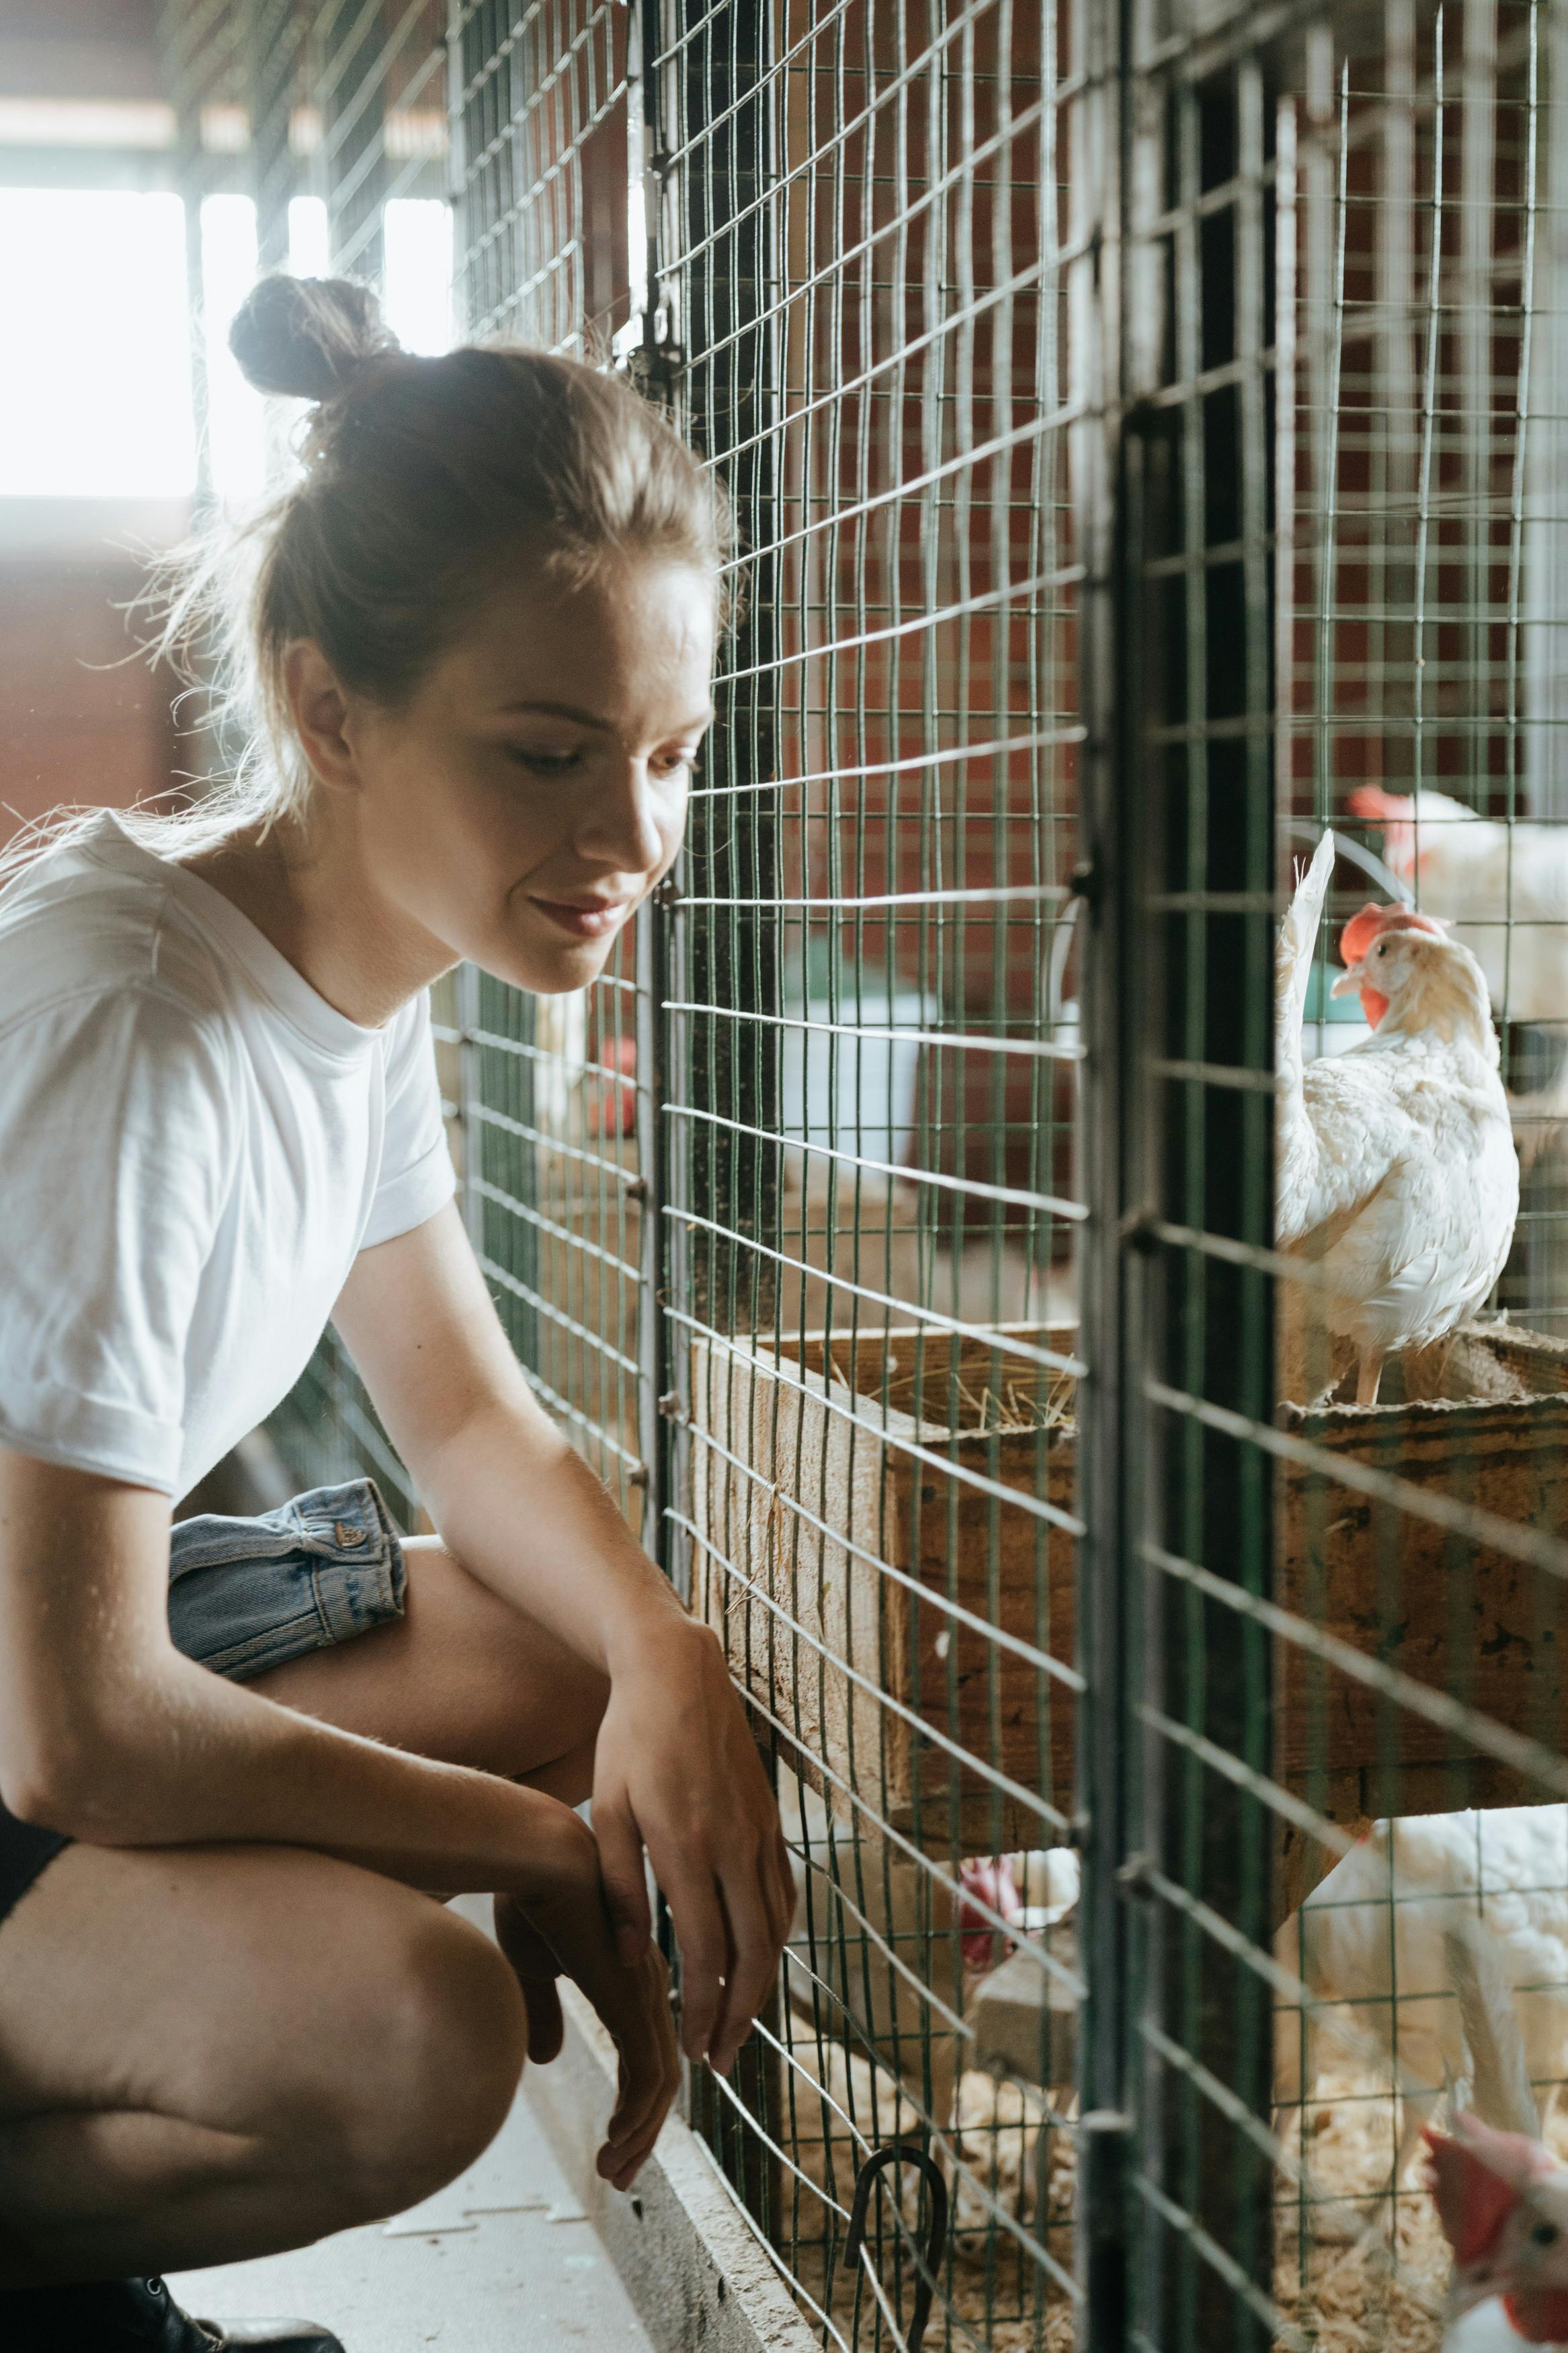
<point>1369,1942</point>
<point>1485,2329</point>
<point>1501,2094</point>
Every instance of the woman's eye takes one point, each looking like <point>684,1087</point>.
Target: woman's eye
<point>672,763</point>
<point>544,764</point>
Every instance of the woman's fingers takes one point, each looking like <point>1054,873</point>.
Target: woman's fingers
<point>753,1972</point>
<point>546,2026</point>
<point>757,1900</point>
<point>731,1934</point>
<point>704,1936</point>
<point>649,2077</point>
<point>536,1966</point>
<point>632,2150</point>
<point>625,1881</point>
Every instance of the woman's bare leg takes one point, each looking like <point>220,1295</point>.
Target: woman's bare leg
<point>461,1677</point>
<point>208,2054</point>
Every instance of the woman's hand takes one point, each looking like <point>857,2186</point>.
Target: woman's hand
<point>676,1769</point>
<point>566,1932</point>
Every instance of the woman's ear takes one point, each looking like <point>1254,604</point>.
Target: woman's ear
<point>319,712</point>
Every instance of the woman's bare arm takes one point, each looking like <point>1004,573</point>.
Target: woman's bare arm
<point>109,1732</point>
<point>675,1765</point>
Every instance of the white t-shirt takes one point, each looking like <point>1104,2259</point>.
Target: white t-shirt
<point>193,1145</point>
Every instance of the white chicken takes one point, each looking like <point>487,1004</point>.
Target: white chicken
<point>1397,1175</point>
<point>1373,1944</point>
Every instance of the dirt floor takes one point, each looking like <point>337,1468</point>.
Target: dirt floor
<point>1368,2274</point>
<point>993,2271</point>
<point>1358,2270</point>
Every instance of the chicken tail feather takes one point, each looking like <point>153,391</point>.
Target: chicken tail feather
<point>1500,2091</point>
<point>1299,937</point>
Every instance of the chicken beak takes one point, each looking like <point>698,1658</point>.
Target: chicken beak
<point>1465,2290</point>
<point>1465,2294</point>
<point>1349,982</point>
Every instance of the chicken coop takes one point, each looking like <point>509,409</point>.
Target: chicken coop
<point>1146,429</point>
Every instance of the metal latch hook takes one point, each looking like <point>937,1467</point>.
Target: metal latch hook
<point>903,2152</point>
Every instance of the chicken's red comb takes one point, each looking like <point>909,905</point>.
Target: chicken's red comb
<point>1476,2178</point>
<point>1372,801</point>
<point>1472,2201</point>
<point>1361,930</point>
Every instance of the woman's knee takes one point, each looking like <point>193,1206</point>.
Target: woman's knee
<point>425,2080</point>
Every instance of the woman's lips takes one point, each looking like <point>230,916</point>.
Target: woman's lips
<point>592,921</point>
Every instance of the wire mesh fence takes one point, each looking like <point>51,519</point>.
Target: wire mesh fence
<point>869,1163</point>
<point>1145,433</point>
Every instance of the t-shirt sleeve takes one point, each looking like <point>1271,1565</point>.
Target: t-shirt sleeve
<point>116,1157</point>
<point>417,1173</point>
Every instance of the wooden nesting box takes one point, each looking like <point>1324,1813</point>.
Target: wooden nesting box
<point>1449,1609</point>
<point>838,1505</point>
<point>831,1517</point>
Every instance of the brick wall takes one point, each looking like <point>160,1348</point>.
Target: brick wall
<point>77,723</point>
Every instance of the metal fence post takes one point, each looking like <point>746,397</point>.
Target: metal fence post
<point>656,1402</point>
<point>727,399</point>
<point>1181,833</point>
<point>1112,942</point>
<point>710,340</point>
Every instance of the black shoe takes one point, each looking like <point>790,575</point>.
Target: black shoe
<point>139,2315</point>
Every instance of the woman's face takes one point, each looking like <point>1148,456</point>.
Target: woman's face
<point>534,791</point>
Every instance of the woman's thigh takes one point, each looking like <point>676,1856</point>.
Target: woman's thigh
<point>245,2046</point>
<point>463,1676</point>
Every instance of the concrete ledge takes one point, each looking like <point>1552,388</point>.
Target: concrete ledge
<point>691,2266</point>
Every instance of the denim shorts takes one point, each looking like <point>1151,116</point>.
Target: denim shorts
<point>246,1595</point>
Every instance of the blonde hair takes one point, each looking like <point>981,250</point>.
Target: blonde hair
<point>422,483</point>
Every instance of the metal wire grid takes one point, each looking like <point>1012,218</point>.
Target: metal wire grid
<point>1427,224</point>
<point>1181,845</point>
<point>553,1108</point>
<point>549,1161</point>
<point>1428,412</point>
<point>869,1101</point>
<point>540,95</point>
<point>1327,234</point>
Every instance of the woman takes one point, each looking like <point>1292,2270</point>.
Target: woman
<point>240,1766</point>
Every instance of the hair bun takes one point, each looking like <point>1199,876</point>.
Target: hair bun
<point>306,336</point>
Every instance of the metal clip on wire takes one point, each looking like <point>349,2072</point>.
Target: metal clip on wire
<point>903,2152</point>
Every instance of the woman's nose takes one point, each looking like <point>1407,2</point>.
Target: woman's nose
<point>619,824</point>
